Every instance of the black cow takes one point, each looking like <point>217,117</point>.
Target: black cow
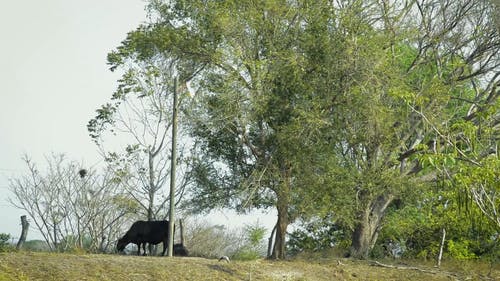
<point>142,232</point>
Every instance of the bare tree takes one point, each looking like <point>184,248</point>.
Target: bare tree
<point>67,208</point>
<point>141,113</point>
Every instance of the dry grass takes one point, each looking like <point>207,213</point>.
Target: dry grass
<point>49,266</point>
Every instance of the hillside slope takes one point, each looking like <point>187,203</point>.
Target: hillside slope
<point>50,266</point>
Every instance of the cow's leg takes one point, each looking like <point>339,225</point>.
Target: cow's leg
<point>165,245</point>
<point>138,249</point>
<point>144,249</point>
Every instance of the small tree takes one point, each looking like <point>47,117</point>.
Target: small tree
<point>254,246</point>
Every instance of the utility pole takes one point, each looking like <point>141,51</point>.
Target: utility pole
<point>173,164</point>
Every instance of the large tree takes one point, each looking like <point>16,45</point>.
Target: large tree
<point>421,81</point>
<point>249,104</point>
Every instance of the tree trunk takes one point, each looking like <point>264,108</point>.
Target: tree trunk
<point>55,237</point>
<point>24,232</point>
<point>102,244</point>
<point>368,226</point>
<point>279,249</point>
<point>282,205</point>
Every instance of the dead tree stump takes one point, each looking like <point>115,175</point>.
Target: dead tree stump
<point>24,233</point>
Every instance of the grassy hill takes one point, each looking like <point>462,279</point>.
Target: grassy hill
<point>52,266</point>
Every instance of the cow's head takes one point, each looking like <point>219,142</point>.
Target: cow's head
<point>122,243</point>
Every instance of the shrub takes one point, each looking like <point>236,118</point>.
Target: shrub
<point>210,241</point>
<point>461,250</point>
<point>36,246</point>
<point>246,254</point>
<point>4,242</point>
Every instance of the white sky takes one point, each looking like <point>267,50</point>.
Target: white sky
<point>53,76</point>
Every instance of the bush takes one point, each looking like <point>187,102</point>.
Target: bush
<point>4,242</point>
<point>461,250</point>
<point>213,241</point>
<point>36,246</point>
<point>420,228</point>
<point>210,241</point>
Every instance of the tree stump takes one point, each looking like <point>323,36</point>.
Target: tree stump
<point>25,225</point>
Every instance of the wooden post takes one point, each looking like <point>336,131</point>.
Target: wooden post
<point>441,248</point>
<point>24,232</point>
<point>172,174</point>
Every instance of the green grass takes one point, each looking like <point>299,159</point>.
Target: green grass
<point>53,266</point>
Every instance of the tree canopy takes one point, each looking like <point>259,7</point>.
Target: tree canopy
<point>342,107</point>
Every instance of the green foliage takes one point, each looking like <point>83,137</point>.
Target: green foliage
<point>318,235</point>
<point>461,249</point>
<point>246,254</point>
<point>104,118</point>
<point>479,185</point>
<point>253,247</point>
<point>255,234</point>
<point>418,227</point>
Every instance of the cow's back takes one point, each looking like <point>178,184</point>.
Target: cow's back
<point>149,231</point>
<point>158,231</point>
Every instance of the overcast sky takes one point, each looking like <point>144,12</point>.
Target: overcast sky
<point>53,76</point>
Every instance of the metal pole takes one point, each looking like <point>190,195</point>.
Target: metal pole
<point>172,174</point>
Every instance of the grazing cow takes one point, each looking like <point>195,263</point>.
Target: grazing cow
<point>142,232</point>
